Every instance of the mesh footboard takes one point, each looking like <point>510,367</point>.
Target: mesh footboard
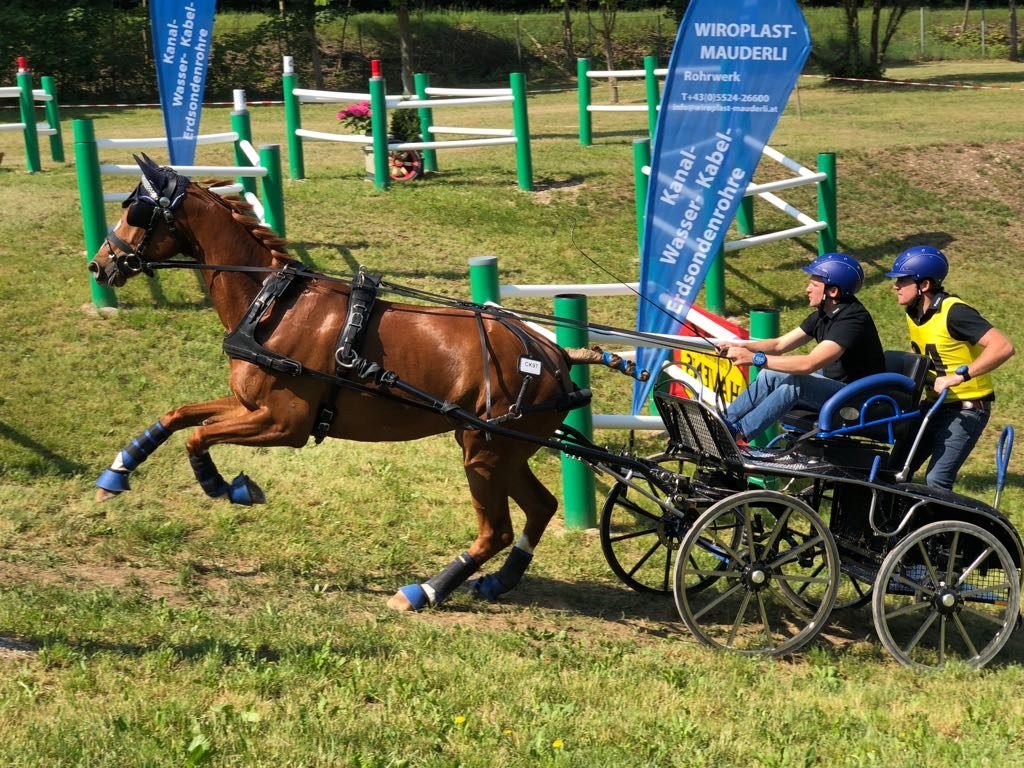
<point>697,430</point>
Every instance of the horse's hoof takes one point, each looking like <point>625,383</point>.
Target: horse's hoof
<point>102,494</point>
<point>411,597</point>
<point>399,602</point>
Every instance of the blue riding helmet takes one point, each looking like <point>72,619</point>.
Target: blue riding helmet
<point>840,270</point>
<point>919,262</point>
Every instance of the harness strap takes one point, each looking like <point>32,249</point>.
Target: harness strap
<point>241,343</point>
<point>487,367</point>
<point>360,304</point>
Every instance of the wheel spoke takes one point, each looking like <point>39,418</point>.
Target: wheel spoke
<point>636,509</point>
<point>764,620</point>
<point>927,561</point>
<point>906,609</point>
<point>942,638</point>
<point>805,580</point>
<point>992,619</point>
<point>920,632</point>
<point>953,546</point>
<point>728,593</point>
<point>969,569</point>
<point>791,554</point>
<point>749,529</point>
<point>642,560</point>
<point>666,580</point>
<point>739,617</point>
<point>708,574</point>
<point>780,526</point>
<point>963,633</point>
<point>632,535</point>
<point>914,585</point>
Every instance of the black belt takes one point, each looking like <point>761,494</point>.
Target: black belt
<point>968,405</point>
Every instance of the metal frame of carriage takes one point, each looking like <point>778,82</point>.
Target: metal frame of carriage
<point>758,547</point>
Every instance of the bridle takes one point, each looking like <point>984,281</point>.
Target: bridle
<point>146,207</point>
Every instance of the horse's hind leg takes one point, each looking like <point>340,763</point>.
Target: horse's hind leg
<point>539,505</point>
<point>114,479</point>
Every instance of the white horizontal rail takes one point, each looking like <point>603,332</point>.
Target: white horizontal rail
<point>326,97</point>
<point>430,103</point>
<point>257,206</point>
<point>10,92</point>
<point>12,126</point>
<point>221,170</point>
<point>469,91</point>
<point>774,186</point>
<point>556,289</point>
<point>349,138</point>
<point>161,141</point>
<point>616,108</point>
<point>622,421</point>
<point>451,144</point>
<point>620,73</point>
<point>473,131</point>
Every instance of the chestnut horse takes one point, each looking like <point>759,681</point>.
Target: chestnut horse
<point>468,358</point>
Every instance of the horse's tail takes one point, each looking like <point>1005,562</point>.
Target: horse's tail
<point>597,356</point>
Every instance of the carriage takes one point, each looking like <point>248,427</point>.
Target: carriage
<point>757,546</point>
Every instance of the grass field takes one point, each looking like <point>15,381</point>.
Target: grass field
<point>164,628</point>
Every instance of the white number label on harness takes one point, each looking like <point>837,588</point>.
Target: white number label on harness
<point>529,366</point>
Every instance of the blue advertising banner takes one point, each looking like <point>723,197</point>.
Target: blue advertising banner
<point>182,33</point>
<point>730,75</point>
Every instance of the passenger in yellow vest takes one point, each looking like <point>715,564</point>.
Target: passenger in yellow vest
<point>964,349</point>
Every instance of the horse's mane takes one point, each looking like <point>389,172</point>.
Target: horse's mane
<point>243,212</point>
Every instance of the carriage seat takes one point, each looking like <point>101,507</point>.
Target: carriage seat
<point>899,391</point>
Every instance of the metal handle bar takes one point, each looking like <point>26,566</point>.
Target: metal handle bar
<point>904,473</point>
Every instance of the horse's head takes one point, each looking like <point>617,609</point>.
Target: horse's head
<point>146,231</point>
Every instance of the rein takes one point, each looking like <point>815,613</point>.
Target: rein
<point>432,298</point>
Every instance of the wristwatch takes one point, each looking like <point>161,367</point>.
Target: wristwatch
<point>962,371</point>
<point>760,359</point>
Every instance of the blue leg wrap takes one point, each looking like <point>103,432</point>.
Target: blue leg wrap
<point>493,585</point>
<point>448,580</point>
<point>208,476</point>
<point>115,477</point>
<point>416,596</point>
<point>244,491</point>
<point>139,449</point>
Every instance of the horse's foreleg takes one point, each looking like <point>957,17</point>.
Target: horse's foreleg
<point>539,505</point>
<point>114,479</point>
<point>239,426</point>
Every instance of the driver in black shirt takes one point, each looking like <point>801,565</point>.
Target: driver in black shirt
<point>847,349</point>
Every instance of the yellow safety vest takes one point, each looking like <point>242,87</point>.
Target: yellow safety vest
<point>933,340</point>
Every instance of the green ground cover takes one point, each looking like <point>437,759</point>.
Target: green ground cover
<point>164,628</point>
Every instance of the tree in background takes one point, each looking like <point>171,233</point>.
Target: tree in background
<point>848,57</point>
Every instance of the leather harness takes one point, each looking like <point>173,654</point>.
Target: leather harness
<point>241,344</point>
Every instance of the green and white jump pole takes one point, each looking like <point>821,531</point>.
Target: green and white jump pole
<point>31,129</point>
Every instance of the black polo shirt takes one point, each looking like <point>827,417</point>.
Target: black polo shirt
<point>849,325</point>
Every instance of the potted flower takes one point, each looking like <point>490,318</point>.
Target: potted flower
<point>356,116</point>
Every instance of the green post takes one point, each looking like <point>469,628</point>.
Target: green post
<point>90,193</point>
<point>745,217</point>
<point>827,212</point>
<point>272,187</point>
<point>653,96</point>
<point>426,114</point>
<point>521,126</point>
<point>714,284</point>
<point>28,116</point>
<point>764,324</point>
<point>379,128</point>
<point>583,93</point>
<point>242,126</point>
<point>293,122</point>
<point>641,182</point>
<point>53,119</point>
<point>579,506</point>
<point>483,280</point>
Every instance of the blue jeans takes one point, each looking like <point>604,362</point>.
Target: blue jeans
<point>772,394</point>
<point>946,444</point>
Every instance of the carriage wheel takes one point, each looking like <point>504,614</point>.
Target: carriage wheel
<point>948,590</point>
<point>405,165</point>
<point>759,546</point>
<point>639,537</point>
